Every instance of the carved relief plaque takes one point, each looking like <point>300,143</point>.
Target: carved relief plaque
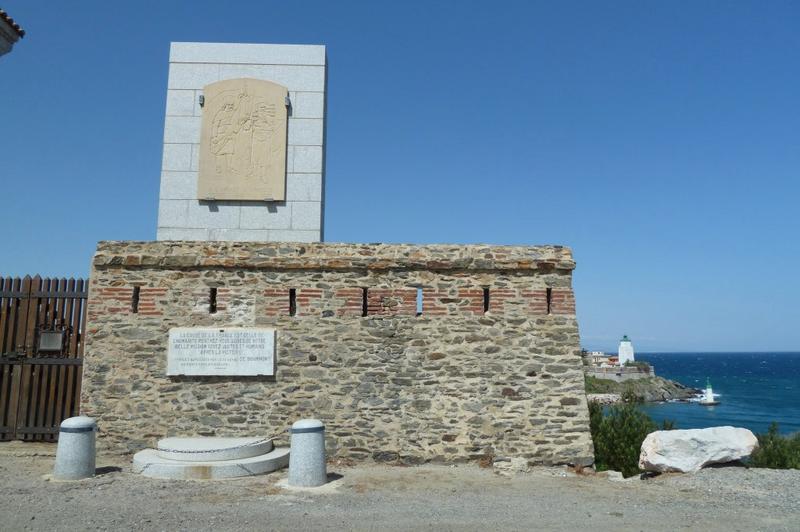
<point>243,141</point>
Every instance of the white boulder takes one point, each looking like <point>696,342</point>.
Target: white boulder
<point>689,450</point>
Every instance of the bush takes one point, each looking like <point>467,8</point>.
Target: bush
<point>618,434</point>
<point>595,385</point>
<point>776,451</point>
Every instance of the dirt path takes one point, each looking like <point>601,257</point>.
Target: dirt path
<point>398,498</point>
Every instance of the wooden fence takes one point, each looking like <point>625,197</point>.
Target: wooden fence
<point>41,355</point>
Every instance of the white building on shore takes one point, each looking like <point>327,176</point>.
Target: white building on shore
<point>625,351</point>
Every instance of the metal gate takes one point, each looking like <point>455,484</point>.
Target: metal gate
<point>41,355</point>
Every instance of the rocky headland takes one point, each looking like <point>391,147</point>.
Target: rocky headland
<point>650,390</point>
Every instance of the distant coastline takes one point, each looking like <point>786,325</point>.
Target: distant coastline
<point>649,390</point>
<point>608,377</point>
<point>755,389</point>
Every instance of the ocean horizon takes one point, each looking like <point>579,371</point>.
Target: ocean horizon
<point>755,389</point>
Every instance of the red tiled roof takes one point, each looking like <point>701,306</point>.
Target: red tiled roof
<point>10,21</point>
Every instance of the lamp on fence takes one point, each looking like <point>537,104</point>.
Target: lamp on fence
<point>51,341</point>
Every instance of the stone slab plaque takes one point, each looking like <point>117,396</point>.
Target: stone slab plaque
<point>215,351</point>
<point>243,141</point>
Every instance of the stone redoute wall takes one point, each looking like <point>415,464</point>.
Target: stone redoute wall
<point>455,382</point>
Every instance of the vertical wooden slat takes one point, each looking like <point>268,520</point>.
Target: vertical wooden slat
<point>35,372</point>
<point>13,399</point>
<point>82,323</point>
<point>25,371</point>
<point>76,404</point>
<point>74,321</point>
<point>19,314</point>
<point>44,305</point>
<point>5,302</point>
<point>5,369</point>
<point>5,389</point>
<point>81,344</point>
<point>64,310</point>
<point>5,316</point>
<point>57,373</point>
<point>47,399</point>
<point>66,321</point>
<point>33,309</point>
<point>69,371</point>
<point>70,385</point>
<point>9,345</point>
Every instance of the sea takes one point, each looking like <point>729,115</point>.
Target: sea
<point>754,389</point>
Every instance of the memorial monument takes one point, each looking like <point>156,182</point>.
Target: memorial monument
<point>244,143</point>
<point>215,351</point>
<point>221,329</point>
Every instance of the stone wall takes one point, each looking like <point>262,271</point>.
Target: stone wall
<point>621,374</point>
<point>405,352</point>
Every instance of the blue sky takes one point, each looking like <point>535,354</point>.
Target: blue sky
<point>659,140</point>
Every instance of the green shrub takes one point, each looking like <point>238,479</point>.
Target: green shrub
<point>668,424</point>
<point>776,451</point>
<point>595,385</point>
<point>618,434</point>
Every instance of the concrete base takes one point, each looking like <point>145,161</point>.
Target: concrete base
<point>212,449</point>
<point>150,464</point>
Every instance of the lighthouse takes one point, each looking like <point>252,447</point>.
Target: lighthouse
<point>625,351</point>
<point>708,398</point>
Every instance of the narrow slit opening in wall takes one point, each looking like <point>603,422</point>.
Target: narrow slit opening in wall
<point>485,300</point>
<point>212,300</point>
<point>549,299</point>
<point>419,301</point>
<point>292,302</point>
<point>135,300</point>
<point>363,302</point>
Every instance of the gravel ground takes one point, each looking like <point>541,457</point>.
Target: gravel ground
<point>373,497</point>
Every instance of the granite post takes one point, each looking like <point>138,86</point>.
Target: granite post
<point>307,454</point>
<point>75,454</point>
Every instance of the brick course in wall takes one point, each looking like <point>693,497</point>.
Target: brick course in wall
<point>453,382</point>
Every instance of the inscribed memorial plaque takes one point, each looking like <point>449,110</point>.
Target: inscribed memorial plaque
<point>215,351</point>
<point>243,141</point>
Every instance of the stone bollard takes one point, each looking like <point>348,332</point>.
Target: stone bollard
<point>307,454</point>
<point>75,454</point>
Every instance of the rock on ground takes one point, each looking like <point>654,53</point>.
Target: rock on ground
<point>689,450</point>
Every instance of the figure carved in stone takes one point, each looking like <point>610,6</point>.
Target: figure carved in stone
<point>243,144</point>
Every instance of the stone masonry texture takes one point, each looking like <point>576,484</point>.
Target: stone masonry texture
<point>486,365</point>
